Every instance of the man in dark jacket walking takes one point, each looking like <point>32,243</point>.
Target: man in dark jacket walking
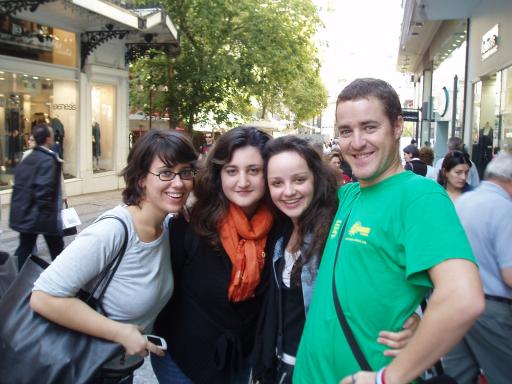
<point>37,197</point>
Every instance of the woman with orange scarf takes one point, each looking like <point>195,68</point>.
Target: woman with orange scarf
<point>221,267</point>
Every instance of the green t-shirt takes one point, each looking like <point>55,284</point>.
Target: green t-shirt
<point>396,231</point>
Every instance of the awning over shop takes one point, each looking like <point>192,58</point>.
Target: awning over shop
<point>99,21</point>
<point>422,20</point>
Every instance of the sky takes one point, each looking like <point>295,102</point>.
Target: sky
<point>360,39</point>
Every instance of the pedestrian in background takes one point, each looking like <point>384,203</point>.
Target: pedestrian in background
<point>412,160</point>
<point>36,199</point>
<point>486,215</point>
<point>427,156</point>
<point>209,141</point>
<point>456,144</point>
<point>453,175</point>
<point>335,160</point>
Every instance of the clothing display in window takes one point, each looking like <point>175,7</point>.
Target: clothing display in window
<point>484,151</point>
<point>58,132</point>
<point>96,147</point>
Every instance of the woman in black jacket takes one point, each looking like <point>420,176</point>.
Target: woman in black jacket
<point>221,263</point>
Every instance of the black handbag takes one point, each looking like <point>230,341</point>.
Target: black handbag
<point>36,350</point>
<point>441,378</point>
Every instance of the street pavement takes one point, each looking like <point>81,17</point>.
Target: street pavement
<point>88,207</point>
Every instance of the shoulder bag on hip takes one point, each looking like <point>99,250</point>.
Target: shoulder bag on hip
<point>36,350</point>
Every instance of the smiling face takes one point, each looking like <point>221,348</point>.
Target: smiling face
<point>242,179</point>
<point>291,183</point>
<point>368,141</point>
<point>165,196</point>
<point>457,176</point>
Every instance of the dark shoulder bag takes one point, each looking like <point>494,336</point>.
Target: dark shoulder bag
<point>349,335</point>
<point>36,350</point>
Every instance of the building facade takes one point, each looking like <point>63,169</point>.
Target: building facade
<point>65,62</point>
<point>461,54</point>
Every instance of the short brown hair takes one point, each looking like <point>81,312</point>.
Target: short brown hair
<point>169,146</point>
<point>427,155</point>
<point>381,90</point>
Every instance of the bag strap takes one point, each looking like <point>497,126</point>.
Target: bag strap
<point>356,350</point>
<point>105,277</point>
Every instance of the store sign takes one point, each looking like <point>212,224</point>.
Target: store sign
<point>65,107</point>
<point>410,115</point>
<point>490,42</point>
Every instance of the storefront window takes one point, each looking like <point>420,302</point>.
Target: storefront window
<point>504,139</point>
<point>448,92</point>
<point>27,99</point>
<point>102,102</point>
<point>486,120</point>
<point>29,40</point>
<point>475,126</point>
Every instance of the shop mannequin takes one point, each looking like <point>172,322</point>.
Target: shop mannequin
<point>485,144</point>
<point>58,131</point>
<point>96,147</point>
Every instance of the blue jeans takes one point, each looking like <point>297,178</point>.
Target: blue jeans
<point>168,372</point>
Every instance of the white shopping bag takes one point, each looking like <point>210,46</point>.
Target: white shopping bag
<point>70,218</point>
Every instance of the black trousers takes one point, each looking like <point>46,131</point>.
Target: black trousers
<point>55,245</point>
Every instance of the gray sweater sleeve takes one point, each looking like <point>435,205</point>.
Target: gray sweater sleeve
<point>82,260</point>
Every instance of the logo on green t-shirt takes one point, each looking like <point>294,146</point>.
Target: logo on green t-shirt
<point>359,229</point>
<point>335,229</point>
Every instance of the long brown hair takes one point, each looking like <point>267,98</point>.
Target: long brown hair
<point>212,205</point>
<point>317,217</point>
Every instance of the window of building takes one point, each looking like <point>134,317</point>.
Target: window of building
<point>504,134</point>
<point>29,40</point>
<point>27,99</point>
<point>103,122</point>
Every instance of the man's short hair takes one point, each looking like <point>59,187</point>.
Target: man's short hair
<point>367,87</point>
<point>41,132</point>
<point>500,168</point>
<point>412,150</point>
<point>455,144</point>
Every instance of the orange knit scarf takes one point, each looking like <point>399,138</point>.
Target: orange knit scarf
<point>244,242</point>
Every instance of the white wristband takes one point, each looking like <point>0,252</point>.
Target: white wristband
<point>378,378</point>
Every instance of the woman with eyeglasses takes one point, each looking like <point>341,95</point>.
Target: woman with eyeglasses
<point>453,174</point>
<point>159,177</point>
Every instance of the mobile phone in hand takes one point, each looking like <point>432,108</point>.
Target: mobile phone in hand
<point>157,340</point>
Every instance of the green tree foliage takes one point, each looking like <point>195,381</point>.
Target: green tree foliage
<point>234,52</point>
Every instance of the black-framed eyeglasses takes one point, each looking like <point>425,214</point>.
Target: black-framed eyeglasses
<point>186,174</point>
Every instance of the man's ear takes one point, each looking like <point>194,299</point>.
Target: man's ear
<point>398,127</point>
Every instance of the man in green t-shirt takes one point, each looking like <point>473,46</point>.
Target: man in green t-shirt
<point>401,238</point>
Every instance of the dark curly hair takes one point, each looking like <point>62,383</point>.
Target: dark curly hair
<point>317,217</point>
<point>212,205</point>
<point>169,146</point>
